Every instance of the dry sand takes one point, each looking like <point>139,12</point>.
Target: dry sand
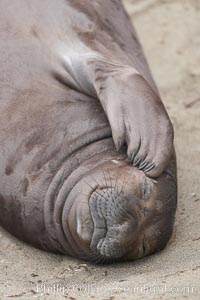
<point>173,52</point>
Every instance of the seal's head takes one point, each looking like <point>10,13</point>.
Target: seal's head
<point>115,212</point>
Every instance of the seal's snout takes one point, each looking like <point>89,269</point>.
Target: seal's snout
<point>114,222</point>
<point>116,213</point>
<point>104,214</point>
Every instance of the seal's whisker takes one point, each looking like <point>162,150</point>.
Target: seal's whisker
<point>89,185</point>
<point>116,187</point>
<point>98,260</point>
<point>110,180</point>
<point>95,257</point>
<point>95,180</point>
<point>107,186</point>
<point>105,178</point>
<point>111,191</point>
<point>95,191</point>
<point>102,260</point>
<point>98,183</point>
<point>102,190</point>
<point>123,186</point>
<point>101,195</point>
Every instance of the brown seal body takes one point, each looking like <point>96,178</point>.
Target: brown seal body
<point>74,86</point>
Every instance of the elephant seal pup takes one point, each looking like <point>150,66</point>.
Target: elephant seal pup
<point>75,88</point>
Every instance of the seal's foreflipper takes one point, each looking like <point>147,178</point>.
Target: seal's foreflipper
<point>135,111</point>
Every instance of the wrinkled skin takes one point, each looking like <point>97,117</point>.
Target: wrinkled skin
<point>86,146</point>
